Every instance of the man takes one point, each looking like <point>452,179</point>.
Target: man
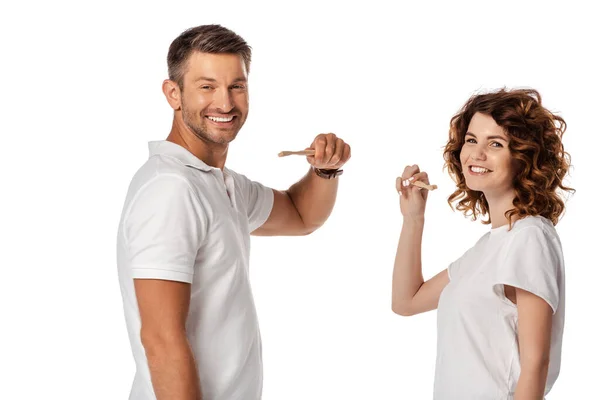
<point>184,236</point>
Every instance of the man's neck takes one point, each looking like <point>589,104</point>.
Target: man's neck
<point>211,154</point>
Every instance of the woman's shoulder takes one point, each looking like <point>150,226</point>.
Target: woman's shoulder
<point>536,225</point>
<point>536,221</point>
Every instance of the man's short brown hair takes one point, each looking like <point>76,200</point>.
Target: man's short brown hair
<point>213,39</point>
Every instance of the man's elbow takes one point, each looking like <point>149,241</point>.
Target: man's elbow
<point>161,341</point>
<point>402,309</point>
<point>308,229</point>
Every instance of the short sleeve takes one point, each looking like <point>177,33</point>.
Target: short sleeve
<point>453,269</point>
<point>163,230</point>
<point>532,263</point>
<point>258,200</point>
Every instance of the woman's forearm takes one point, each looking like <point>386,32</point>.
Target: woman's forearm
<point>532,382</point>
<point>408,275</point>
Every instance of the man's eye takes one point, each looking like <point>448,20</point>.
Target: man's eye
<point>241,87</point>
<point>205,87</point>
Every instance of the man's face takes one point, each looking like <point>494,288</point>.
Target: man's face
<point>214,100</point>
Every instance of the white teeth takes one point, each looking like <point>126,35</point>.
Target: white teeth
<point>479,170</point>
<point>220,119</point>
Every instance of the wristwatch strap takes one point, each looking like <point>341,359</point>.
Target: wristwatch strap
<point>328,173</point>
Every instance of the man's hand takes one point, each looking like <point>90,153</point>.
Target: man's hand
<point>307,204</point>
<point>331,152</point>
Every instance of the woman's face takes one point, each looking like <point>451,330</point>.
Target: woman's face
<point>485,157</point>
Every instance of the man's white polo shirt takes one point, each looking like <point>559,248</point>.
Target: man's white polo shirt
<point>186,221</point>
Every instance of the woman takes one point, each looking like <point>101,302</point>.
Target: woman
<point>501,305</point>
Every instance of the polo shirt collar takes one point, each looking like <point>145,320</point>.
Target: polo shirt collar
<point>164,147</point>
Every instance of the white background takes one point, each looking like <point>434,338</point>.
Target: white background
<point>81,96</point>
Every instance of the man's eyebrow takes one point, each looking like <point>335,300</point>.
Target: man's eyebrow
<point>205,78</point>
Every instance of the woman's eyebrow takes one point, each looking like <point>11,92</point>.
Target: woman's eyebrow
<point>489,137</point>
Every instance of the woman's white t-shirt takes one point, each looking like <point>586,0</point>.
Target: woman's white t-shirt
<point>477,347</point>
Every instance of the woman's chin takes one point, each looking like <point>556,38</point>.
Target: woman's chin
<point>473,187</point>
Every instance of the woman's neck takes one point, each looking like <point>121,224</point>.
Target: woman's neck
<point>498,205</point>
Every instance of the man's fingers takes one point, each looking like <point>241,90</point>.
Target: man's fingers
<point>320,145</point>
<point>338,153</point>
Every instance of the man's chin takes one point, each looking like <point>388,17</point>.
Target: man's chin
<point>222,137</point>
<point>215,136</point>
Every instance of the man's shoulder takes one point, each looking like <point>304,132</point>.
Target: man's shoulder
<point>240,178</point>
<point>161,171</point>
<point>162,167</point>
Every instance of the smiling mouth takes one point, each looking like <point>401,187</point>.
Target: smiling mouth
<point>221,120</point>
<point>479,170</point>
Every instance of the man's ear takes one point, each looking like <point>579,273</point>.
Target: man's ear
<point>172,93</point>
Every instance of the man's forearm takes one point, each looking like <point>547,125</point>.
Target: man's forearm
<point>314,198</point>
<point>173,370</point>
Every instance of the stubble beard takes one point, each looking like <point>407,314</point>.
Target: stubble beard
<point>201,130</point>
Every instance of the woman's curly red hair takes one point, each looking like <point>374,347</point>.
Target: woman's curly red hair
<point>535,141</point>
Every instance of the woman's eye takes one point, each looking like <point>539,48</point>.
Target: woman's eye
<point>496,144</point>
<point>471,141</point>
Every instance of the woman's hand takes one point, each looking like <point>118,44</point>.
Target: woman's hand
<point>412,198</point>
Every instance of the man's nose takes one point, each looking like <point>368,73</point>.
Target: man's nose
<point>223,101</point>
